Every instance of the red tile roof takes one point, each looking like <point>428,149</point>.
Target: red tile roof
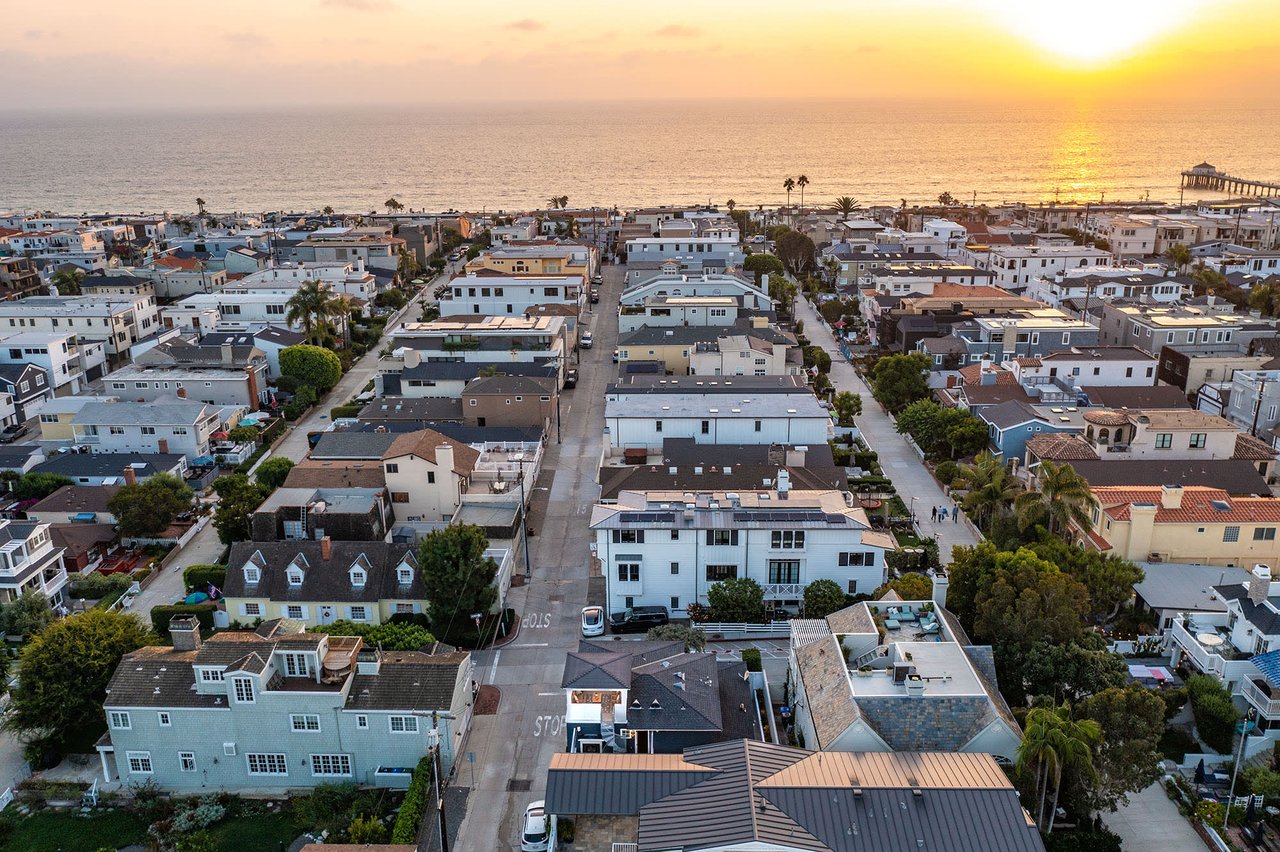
<point>972,375</point>
<point>1061,448</point>
<point>1200,505</point>
<point>170,262</point>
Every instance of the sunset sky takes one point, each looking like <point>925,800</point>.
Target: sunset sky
<point>247,54</point>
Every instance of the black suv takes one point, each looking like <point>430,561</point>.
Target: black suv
<point>638,619</point>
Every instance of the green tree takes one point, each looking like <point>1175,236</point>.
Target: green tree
<point>328,210</point>
<point>823,597</point>
<point>1029,600</point>
<point>910,586</point>
<point>1109,578</point>
<point>37,486</point>
<point>946,199</point>
<point>802,182</point>
<point>272,473</point>
<point>314,305</point>
<point>1063,495</point>
<point>392,205</point>
<point>1265,297</point>
<point>694,638</point>
<point>238,497</point>
<point>390,636</point>
<point>848,405</point>
<point>25,616</point>
<point>1068,671</point>
<point>1215,713</point>
<point>899,380</point>
<point>311,365</point>
<point>1179,255</point>
<point>457,578</point>
<point>1131,719</point>
<point>63,674</point>
<point>731,204</point>
<point>846,205</point>
<point>243,434</point>
<point>797,252</point>
<point>67,280</point>
<point>738,600</point>
<point>789,184</point>
<point>145,509</point>
<point>407,265</point>
<point>989,488</point>
<point>394,299</point>
<point>366,830</point>
<point>1053,743</point>
<point>762,263</point>
<point>200,211</point>
<point>474,252</point>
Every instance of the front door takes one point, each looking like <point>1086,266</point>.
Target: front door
<point>328,615</point>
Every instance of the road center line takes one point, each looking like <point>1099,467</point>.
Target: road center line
<point>493,669</point>
<point>526,645</point>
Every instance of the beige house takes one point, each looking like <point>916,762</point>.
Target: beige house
<point>521,401</point>
<point>1192,524</point>
<point>427,474</point>
<point>744,355</point>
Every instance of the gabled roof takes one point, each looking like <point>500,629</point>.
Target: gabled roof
<point>597,670</point>
<point>424,444</point>
<point>73,499</point>
<point>1198,505</point>
<point>1061,448</point>
<point>323,581</point>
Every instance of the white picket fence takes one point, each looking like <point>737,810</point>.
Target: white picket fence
<point>731,630</point>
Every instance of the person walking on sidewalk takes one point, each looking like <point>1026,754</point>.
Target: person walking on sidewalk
<point>935,514</point>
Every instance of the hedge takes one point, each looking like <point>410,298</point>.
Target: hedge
<point>198,577</point>
<point>409,820</point>
<point>348,410</point>
<point>161,615</point>
<point>751,656</point>
<point>1214,712</point>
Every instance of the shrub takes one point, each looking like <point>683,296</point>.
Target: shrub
<point>366,829</point>
<point>329,807</point>
<point>348,410</point>
<point>94,586</point>
<point>1214,712</point>
<point>1082,841</point>
<point>751,656</point>
<point>698,613</point>
<point>311,365</point>
<point>409,819</point>
<point>822,597</point>
<point>1174,699</point>
<point>392,636</point>
<point>946,472</point>
<point>1211,813</point>
<point>198,577</point>
<point>161,615</point>
<point>694,638</point>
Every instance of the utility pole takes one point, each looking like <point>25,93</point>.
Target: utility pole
<point>524,523</point>
<point>1257,406</point>
<point>435,774</point>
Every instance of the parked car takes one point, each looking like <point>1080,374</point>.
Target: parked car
<point>10,434</point>
<point>534,835</point>
<point>597,279</point>
<point>638,619</point>
<point>615,356</point>
<point>586,342</point>
<point>571,379</point>
<point>593,621</point>
<point>595,296</point>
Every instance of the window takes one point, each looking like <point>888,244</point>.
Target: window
<point>393,468</point>
<point>252,609</point>
<point>786,539</point>
<point>628,572</point>
<point>1264,534</point>
<point>243,690</point>
<point>675,535</point>
<point>404,724</point>
<point>359,613</point>
<point>853,587</point>
<point>758,425</point>
<point>675,602</point>
<point>706,427</point>
<point>657,425</point>
<point>211,675</point>
<point>1164,440</point>
<point>431,477</point>
<point>164,719</point>
<point>295,612</point>
<point>362,722</point>
<point>179,430</point>
<point>399,496</point>
<point>275,309</point>
<point>857,559</point>
<point>120,720</point>
<point>187,761</point>
<point>330,764</point>
<point>784,571</point>
<point>357,578</point>
<point>722,537</point>
<point>404,607</point>
<point>675,567</point>
<point>628,536</point>
<point>148,430</point>
<point>115,430</point>
<point>716,573</point>
<point>1230,533</point>
<point>295,577</point>
<point>304,723</point>
<point>267,764</point>
<point>139,762</point>
<point>1198,440</point>
<point>404,575</point>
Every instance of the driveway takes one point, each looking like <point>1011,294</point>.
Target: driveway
<point>1151,823</point>
<point>900,463</point>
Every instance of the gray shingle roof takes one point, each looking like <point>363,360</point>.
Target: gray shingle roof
<point>409,680</point>
<point>322,580</point>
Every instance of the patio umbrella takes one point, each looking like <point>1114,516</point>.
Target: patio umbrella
<point>219,436</point>
<point>1200,771</point>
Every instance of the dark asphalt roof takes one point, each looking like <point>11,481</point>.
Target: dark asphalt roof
<point>348,444</point>
<point>1157,396</point>
<point>408,680</point>
<point>405,408</point>
<point>1238,477</point>
<point>467,370</point>
<point>1007,414</point>
<point>108,464</point>
<point>677,694</point>
<point>322,580</point>
<point>597,670</point>
<point>1261,616</point>
<point>637,384</point>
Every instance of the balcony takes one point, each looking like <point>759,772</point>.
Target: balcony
<point>1258,697</point>
<point>783,591</point>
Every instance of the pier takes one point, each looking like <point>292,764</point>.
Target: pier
<point>1205,176</point>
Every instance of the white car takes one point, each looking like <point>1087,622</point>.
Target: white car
<point>586,341</point>
<point>533,837</point>
<point>593,621</point>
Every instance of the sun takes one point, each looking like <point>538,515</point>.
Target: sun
<point>1091,32</point>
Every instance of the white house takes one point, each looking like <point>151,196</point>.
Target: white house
<point>67,363</point>
<point>172,426</point>
<point>1102,284</point>
<point>669,282</point>
<point>510,295</point>
<point>1017,266</point>
<point>666,548</point>
<point>950,234</point>
<point>118,321</point>
<point>427,474</point>
<point>642,422</point>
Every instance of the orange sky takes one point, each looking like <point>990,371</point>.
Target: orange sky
<point>245,53</point>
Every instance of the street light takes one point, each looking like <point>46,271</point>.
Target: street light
<point>1244,726</point>
<point>913,510</point>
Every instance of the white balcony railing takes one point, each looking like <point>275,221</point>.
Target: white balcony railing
<point>785,591</point>
<point>1207,661</point>
<point>1267,706</point>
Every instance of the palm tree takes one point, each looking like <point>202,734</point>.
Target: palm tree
<point>1038,753</point>
<point>1076,741</point>
<point>846,205</point>
<point>991,490</point>
<point>802,182</point>
<point>1179,255</point>
<point>946,199</point>
<point>1063,494</point>
<point>312,306</point>
<point>67,280</point>
<point>1051,742</point>
<point>328,211</point>
<point>789,184</point>
<point>731,204</point>
<point>392,205</point>
<point>200,206</point>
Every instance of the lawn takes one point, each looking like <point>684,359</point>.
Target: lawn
<point>70,832</point>
<point>257,833</point>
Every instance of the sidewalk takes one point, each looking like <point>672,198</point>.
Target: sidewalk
<point>899,461</point>
<point>1151,823</point>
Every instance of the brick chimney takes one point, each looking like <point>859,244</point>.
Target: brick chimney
<point>326,548</point>
<point>163,446</point>
<point>184,632</point>
<point>1259,584</point>
<point>182,393</point>
<point>130,475</point>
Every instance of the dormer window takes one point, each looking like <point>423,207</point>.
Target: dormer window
<point>404,574</point>
<point>243,690</point>
<point>251,575</point>
<point>295,576</point>
<point>357,578</point>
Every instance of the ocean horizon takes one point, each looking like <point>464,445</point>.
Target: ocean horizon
<point>515,156</point>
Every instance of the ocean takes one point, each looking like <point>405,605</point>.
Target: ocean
<point>514,157</point>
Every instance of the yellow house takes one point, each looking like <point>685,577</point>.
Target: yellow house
<point>534,260</point>
<point>58,415</point>
<point>1190,524</point>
